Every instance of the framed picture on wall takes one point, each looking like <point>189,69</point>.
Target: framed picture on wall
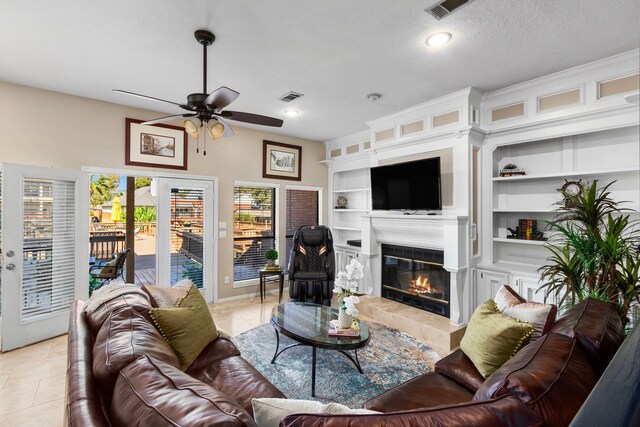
<point>281,161</point>
<point>158,146</point>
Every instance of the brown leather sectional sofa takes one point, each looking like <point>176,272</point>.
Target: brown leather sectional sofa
<point>545,384</point>
<point>121,373</point>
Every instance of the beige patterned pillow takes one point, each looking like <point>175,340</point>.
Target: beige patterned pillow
<point>541,316</point>
<point>268,412</point>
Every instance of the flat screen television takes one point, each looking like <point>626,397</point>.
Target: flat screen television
<point>407,186</point>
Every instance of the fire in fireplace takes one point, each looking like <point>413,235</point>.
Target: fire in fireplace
<point>422,286</point>
<point>416,277</point>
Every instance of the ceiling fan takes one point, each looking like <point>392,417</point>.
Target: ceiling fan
<point>208,110</point>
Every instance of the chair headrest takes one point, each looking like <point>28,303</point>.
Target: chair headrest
<point>312,236</point>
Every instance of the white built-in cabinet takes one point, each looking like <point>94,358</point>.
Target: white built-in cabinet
<point>347,224</point>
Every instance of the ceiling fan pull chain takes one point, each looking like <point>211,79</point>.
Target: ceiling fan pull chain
<point>205,145</point>
<point>197,143</point>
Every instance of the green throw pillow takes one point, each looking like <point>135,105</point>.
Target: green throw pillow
<point>187,327</point>
<point>492,338</point>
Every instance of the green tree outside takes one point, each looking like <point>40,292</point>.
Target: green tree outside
<point>102,188</point>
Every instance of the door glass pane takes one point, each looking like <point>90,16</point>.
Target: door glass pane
<point>187,249</point>
<point>254,229</point>
<point>302,209</point>
<point>48,257</point>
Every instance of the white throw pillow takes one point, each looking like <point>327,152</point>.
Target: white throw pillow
<point>268,412</point>
<point>541,316</point>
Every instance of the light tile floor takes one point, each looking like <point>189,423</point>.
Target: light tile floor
<point>32,379</point>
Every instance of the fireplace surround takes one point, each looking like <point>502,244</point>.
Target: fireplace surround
<point>416,277</point>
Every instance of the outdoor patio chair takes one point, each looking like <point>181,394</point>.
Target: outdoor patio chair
<point>105,271</point>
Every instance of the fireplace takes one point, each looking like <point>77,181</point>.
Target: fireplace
<point>416,277</point>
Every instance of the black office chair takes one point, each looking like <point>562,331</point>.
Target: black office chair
<point>311,266</point>
<point>106,271</point>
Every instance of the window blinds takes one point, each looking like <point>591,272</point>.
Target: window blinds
<point>254,229</point>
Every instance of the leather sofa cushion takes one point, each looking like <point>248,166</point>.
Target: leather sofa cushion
<point>213,352</point>
<point>425,391</point>
<point>125,336</point>
<point>459,368</point>
<point>503,411</point>
<point>551,376</point>
<point>235,377</point>
<point>597,326</point>
<point>136,301</point>
<point>149,392</point>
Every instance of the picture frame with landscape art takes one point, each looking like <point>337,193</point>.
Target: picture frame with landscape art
<point>281,161</point>
<point>157,146</point>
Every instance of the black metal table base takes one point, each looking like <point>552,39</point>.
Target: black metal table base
<point>277,353</point>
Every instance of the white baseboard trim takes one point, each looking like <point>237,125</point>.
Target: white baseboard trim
<point>285,292</point>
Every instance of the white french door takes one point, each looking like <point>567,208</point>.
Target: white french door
<point>44,251</point>
<point>185,233</point>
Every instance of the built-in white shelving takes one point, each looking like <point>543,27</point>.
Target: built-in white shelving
<point>351,190</point>
<point>520,241</point>
<point>608,155</point>
<point>524,210</point>
<point>351,210</point>
<point>567,174</point>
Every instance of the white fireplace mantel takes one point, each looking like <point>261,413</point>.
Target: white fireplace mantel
<point>447,233</point>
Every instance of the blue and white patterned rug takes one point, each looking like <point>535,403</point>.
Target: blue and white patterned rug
<point>390,358</point>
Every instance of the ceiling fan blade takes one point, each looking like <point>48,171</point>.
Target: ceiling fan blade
<point>228,131</point>
<point>255,119</point>
<point>221,97</point>
<point>166,119</point>
<point>148,97</point>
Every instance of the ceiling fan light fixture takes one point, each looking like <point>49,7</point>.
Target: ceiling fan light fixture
<point>291,113</point>
<point>438,39</point>
<point>192,126</point>
<point>215,129</point>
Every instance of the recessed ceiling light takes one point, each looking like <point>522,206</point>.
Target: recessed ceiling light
<point>438,39</point>
<point>292,113</point>
<point>374,96</point>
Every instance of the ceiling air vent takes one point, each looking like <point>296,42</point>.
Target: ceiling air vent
<point>446,8</point>
<point>290,96</point>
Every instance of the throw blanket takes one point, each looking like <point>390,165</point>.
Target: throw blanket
<point>109,292</point>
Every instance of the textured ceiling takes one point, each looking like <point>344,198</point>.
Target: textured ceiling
<point>333,51</point>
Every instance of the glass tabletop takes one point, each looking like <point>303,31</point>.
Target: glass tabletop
<point>309,324</point>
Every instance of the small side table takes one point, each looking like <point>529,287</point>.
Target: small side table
<point>264,273</point>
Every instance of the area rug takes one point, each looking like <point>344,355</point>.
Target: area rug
<point>390,358</point>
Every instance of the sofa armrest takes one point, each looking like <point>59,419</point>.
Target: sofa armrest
<point>503,411</point>
<point>459,368</point>
<point>83,401</point>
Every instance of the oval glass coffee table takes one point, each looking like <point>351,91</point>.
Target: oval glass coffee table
<point>308,324</point>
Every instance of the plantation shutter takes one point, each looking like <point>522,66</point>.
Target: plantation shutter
<point>254,229</point>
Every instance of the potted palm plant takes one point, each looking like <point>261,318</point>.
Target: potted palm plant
<point>594,250</point>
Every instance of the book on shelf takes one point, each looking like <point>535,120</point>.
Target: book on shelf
<point>337,331</point>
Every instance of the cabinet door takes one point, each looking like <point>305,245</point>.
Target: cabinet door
<point>488,283</point>
<point>529,288</point>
